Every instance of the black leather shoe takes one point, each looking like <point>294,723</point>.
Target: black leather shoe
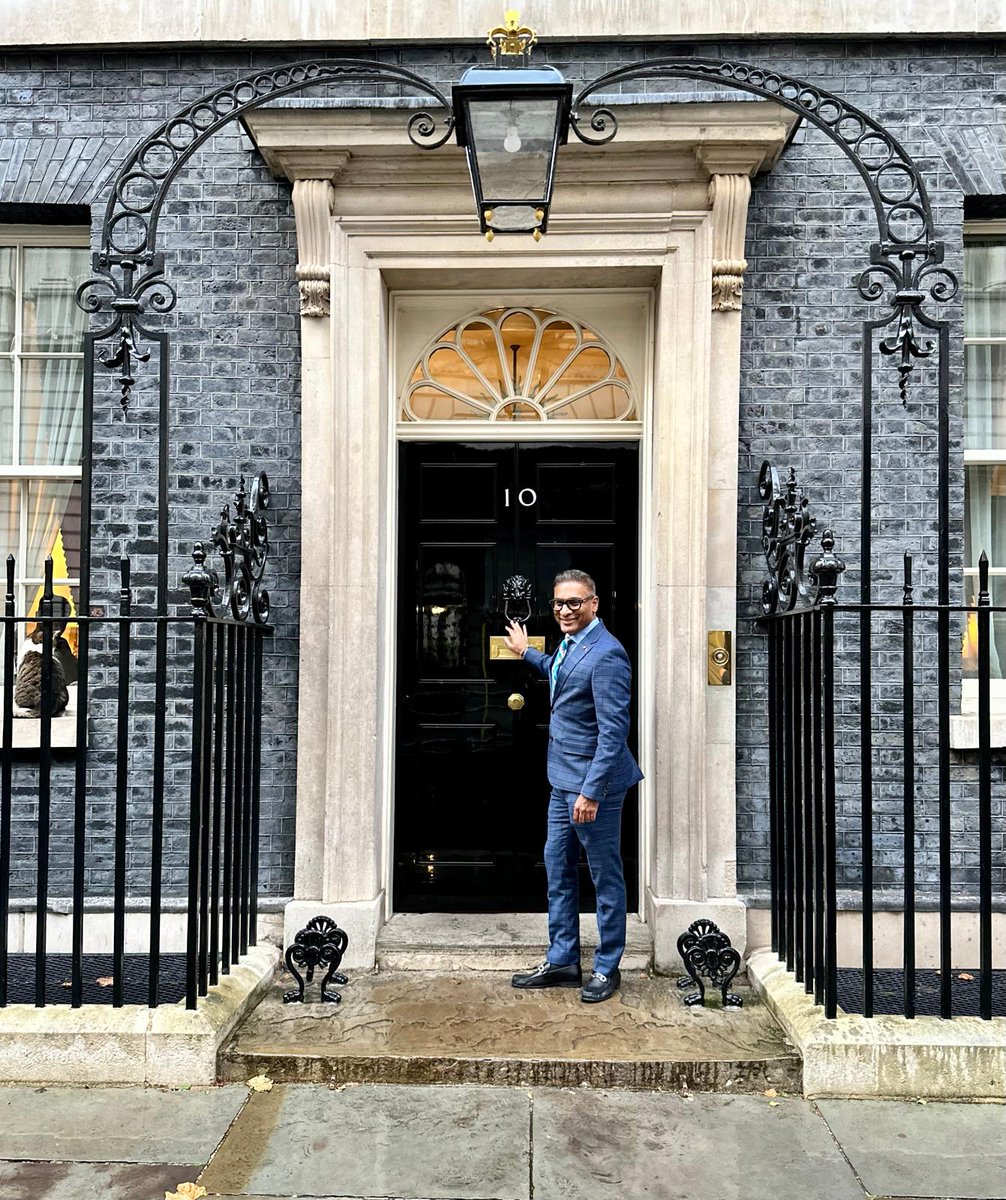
<point>549,975</point>
<point>601,987</point>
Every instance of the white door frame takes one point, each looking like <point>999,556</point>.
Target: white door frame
<point>558,432</point>
<point>664,209</point>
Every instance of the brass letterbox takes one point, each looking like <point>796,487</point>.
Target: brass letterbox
<point>498,650</point>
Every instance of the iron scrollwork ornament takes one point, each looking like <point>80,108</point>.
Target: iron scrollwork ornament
<point>787,528</point>
<point>128,283</point>
<point>912,275</point>
<point>706,950</point>
<point>243,545</point>
<point>906,260</point>
<point>321,943</point>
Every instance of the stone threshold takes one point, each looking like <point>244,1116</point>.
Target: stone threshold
<point>429,1027</point>
<point>169,1046</point>
<point>887,1057</point>
<point>491,942</point>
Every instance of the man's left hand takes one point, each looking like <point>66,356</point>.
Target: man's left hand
<point>584,810</point>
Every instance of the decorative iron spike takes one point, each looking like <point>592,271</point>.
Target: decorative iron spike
<point>125,594</point>
<point>983,580</point>
<point>908,595</point>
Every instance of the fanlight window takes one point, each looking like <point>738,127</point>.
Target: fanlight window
<point>519,364</point>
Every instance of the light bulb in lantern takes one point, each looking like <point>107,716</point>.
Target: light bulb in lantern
<point>511,143</point>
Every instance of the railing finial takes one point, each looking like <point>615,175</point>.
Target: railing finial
<point>201,582</point>
<point>826,569</point>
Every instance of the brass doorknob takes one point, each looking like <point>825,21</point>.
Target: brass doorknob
<point>515,702</point>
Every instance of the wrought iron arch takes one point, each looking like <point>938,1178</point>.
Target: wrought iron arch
<point>128,282</point>
<point>904,264</point>
<point>129,269</point>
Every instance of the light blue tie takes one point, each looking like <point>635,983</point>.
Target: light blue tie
<point>567,641</point>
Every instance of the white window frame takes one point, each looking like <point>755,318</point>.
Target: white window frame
<point>22,237</point>
<point>997,687</point>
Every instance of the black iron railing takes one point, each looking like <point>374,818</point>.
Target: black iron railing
<point>864,793</point>
<point>151,758</point>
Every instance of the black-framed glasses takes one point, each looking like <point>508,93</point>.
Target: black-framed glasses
<point>573,604</point>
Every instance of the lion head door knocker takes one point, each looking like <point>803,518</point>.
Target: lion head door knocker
<point>517,591</point>
<point>517,606</point>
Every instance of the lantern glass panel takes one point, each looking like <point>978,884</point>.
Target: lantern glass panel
<point>514,141</point>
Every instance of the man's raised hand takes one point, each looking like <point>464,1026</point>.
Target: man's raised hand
<point>515,638</point>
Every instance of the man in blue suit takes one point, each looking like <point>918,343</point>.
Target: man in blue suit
<point>590,769</point>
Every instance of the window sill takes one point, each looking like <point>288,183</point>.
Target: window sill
<point>27,730</point>
<point>964,730</point>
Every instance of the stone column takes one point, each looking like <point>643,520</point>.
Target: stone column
<point>312,201</point>
<point>695,871</point>
<point>728,199</point>
<point>336,870</point>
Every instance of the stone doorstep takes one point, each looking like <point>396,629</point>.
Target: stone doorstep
<point>167,1046</point>
<point>411,1027</point>
<point>854,1057</point>
<point>491,942</point>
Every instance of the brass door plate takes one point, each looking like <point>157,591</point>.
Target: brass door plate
<point>498,649</point>
<point>719,657</point>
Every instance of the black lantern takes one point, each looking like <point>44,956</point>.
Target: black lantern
<point>511,120</point>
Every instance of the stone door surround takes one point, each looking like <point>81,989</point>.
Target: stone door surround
<point>664,208</point>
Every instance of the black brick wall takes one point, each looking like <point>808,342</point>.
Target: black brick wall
<point>67,120</point>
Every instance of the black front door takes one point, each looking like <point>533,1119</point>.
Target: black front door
<point>470,784</point>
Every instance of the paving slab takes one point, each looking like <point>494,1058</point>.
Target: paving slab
<point>904,1149</point>
<point>601,1145</point>
<point>105,1124</point>
<point>419,1027</point>
<point>468,1143</point>
<point>91,1181</point>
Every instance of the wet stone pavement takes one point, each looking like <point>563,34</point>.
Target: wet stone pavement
<point>464,1142</point>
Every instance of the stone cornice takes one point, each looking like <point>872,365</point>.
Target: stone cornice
<point>658,145</point>
<point>295,23</point>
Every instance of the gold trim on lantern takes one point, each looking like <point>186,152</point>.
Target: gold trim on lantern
<point>511,38</point>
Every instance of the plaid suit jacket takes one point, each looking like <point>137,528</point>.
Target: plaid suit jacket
<point>587,750</point>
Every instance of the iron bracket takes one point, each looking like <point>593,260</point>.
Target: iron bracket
<point>320,943</point>
<point>706,950</point>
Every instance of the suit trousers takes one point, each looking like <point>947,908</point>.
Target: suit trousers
<point>601,838</point>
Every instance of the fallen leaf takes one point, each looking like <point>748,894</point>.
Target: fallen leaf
<point>773,1104</point>
<point>259,1083</point>
<point>105,980</point>
<point>965,975</point>
<point>187,1191</point>
<point>771,1093</point>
